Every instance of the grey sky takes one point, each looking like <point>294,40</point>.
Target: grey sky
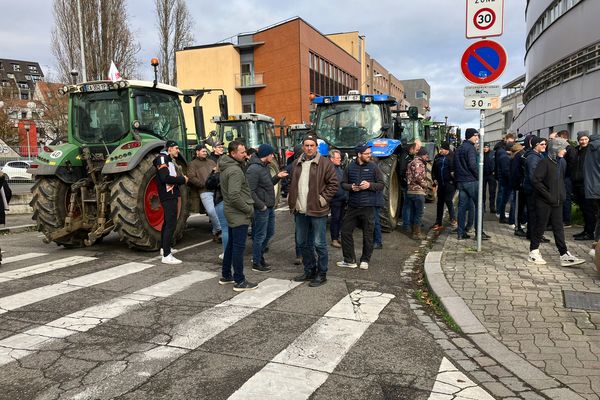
<point>411,38</point>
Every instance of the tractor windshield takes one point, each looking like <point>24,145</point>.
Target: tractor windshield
<point>412,130</point>
<point>100,116</point>
<point>159,114</point>
<point>345,125</point>
<point>252,133</point>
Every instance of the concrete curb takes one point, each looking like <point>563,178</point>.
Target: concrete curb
<point>476,332</point>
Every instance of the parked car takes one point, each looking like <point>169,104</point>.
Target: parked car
<point>17,170</point>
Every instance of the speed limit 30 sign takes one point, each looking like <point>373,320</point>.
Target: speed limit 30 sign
<point>485,18</point>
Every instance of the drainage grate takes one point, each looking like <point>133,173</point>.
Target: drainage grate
<point>582,300</point>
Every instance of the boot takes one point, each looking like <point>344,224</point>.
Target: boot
<point>318,280</point>
<point>416,233</point>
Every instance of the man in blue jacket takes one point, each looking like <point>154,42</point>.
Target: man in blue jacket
<point>467,177</point>
<point>362,179</point>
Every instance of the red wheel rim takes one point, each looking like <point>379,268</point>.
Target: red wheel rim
<point>152,207</point>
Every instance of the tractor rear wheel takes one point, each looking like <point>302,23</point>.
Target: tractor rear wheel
<point>50,203</point>
<point>136,210</point>
<point>388,214</point>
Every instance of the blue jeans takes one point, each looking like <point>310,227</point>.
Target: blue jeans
<point>467,198</point>
<point>507,195</point>
<point>406,216</point>
<point>208,201</point>
<point>263,230</point>
<point>499,197</point>
<point>311,235</point>
<point>377,239</point>
<point>234,253</point>
<point>220,210</point>
<point>416,203</point>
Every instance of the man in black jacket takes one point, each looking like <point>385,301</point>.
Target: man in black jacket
<point>578,180</point>
<point>338,202</point>
<point>362,179</point>
<point>258,176</point>
<point>548,183</point>
<point>489,181</point>
<point>168,181</point>
<point>5,195</point>
<point>443,177</point>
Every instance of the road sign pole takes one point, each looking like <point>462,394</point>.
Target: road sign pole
<point>480,189</point>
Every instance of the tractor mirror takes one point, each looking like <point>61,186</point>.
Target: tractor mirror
<point>223,106</point>
<point>187,99</point>
<point>413,112</point>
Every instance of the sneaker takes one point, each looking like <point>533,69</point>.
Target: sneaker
<point>437,227</point>
<point>318,280</point>
<point>520,233</point>
<point>336,244</point>
<point>298,261</point>
<point>535,257</point>
<point>584,237</point>
<point>512,226</point>
<point>569,260</point>
<point>170,260</point>
<point>173,251</point>
<point>244,286</point>
<point>260,268</point>
<point>345,264</point>
<point>304,277</point>
<point>377,246</point>
<point>221,256</point>
<point>454,223</point>
<point>464,236</point>
<point>364,265</point>
<point>264,263</point>
<point>567,225</point>
<point>592,253</point>
<point>485,236</point>
<point>226,281</point>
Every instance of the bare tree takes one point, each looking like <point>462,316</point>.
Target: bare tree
<point>175,26</point>
<point>106,34</point>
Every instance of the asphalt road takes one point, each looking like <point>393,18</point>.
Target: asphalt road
<point>110,322</point>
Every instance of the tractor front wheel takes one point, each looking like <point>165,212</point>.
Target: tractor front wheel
<point>388,214</point>
<point>136,210</point>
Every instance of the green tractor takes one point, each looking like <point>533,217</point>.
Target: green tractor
<point>103,179</point>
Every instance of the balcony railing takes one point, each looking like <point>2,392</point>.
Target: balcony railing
<point>243,81</point>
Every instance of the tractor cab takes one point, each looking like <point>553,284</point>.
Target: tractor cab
<point>250,128</point>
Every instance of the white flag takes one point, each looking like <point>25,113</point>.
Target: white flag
<point>113,73</point>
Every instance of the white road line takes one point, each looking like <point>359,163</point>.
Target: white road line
<point>453,384</point>
<point>22,257</point>
<point>44,267</point>
<point>23,344</point>
<point>304,365</point>
<point>22,299</point>
<point>188,335</point>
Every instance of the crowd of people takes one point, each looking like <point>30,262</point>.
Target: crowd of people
<point>534,178</point>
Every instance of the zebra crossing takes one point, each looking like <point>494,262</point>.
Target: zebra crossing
<point>297,371</point>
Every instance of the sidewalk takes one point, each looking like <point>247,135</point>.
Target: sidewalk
<point>516,311</point>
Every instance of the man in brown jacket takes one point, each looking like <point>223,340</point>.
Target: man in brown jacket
<point>198,171</point>
<point>314,183</point>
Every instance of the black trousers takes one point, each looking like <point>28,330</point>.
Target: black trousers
<point>531,211</point>
<point>445,194</point>
<point>491,181</point>
<point>555,214</point>
<point>169,225</point>
<point>521,204</point>
<point>364,218</point>
<point>587,209</point>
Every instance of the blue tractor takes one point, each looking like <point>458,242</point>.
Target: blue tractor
<point>342,122</point>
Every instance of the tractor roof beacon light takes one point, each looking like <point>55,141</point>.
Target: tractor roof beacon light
<point>154,63</point>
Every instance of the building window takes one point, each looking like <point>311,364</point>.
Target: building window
<point>16,67</point>
<point>421,94</point>
<point>32,68</point>
<point>10,76</point>
<point>248,107</point>
<point>28,77</point>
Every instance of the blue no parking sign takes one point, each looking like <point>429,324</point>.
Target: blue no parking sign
<point>483,62</point>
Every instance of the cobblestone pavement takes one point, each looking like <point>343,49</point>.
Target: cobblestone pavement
<point>522,305</point>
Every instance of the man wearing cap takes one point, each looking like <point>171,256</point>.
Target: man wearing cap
<point>258,175</point>
<point>416,177</point>
<point>443,178</point>
<point>362,179</point>
<point>548,183</point>
<point>218,150</point>
<point>314,183</point>
<point>467,178</point>
<point>199,170</point>
<point>168,181</point>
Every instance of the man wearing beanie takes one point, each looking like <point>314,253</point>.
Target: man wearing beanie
<point>549,188</point>
<point>258,176</point>
<point>467,177</point>
<point>314,183</point>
